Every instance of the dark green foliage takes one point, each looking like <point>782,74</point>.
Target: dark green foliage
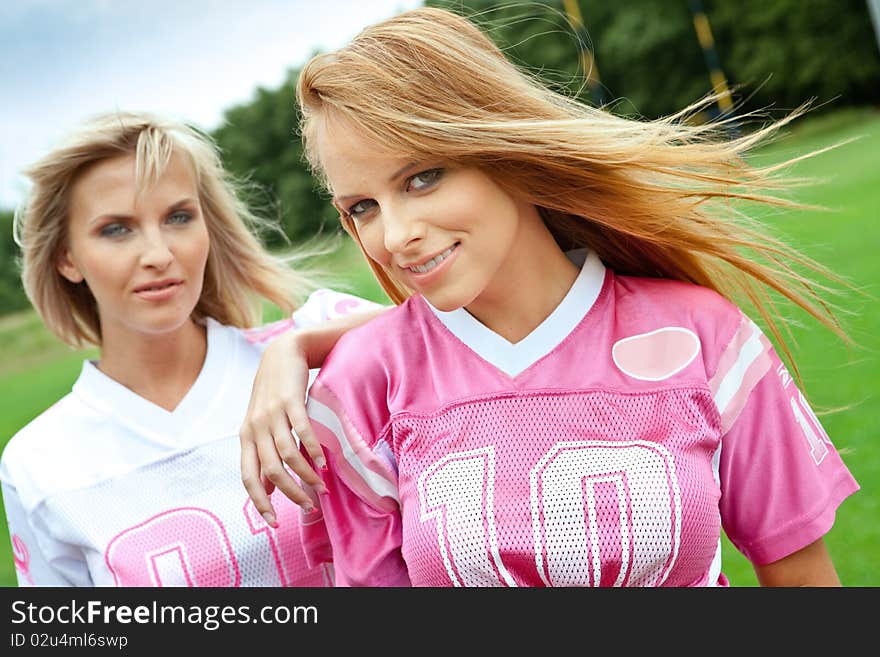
<point>776,53</point>
<point>796,50</point>
<point>12,295</point>
<point>259,143</point>
<point>649,55</point>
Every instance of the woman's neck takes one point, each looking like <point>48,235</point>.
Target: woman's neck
<point>530,285</point>
<point>160,368</point>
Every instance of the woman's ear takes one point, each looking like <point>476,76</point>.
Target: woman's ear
<point>67,268</point>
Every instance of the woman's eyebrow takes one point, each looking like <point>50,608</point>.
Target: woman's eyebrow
<point>405,169</point>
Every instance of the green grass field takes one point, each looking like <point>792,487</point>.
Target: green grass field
<point>37,370</point>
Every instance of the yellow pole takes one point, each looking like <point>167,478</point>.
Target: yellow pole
<point>707,42</point>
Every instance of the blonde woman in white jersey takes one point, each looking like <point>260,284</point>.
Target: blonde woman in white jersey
<point>134,240</point>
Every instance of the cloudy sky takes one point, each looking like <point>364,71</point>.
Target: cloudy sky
<point>64,60</point>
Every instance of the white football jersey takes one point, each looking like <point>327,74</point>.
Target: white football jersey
<point>106,488</point>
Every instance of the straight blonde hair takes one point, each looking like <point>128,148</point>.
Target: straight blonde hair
<point>239,274</point>
<point>651,198</point>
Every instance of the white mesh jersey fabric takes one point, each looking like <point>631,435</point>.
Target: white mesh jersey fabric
<point>609,451</point>
<point>107,489</point>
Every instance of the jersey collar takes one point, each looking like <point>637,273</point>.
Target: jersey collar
<point>150,420</point>
<point>515,358</point>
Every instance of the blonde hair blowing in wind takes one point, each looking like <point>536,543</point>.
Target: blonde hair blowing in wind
<point>239,274</point>
<point>651,198</point>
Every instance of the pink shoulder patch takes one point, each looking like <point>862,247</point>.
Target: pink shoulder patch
<point>656,355</point>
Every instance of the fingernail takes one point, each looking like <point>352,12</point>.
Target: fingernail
<point>270,520</point>
<point>308,507</point>
<point>321,463</point>
<point>321,489</point>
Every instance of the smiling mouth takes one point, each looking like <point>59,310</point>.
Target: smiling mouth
<point>433,262</point>
<point>158,287</point>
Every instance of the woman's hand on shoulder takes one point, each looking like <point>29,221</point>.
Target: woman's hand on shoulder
<point>276,416</point>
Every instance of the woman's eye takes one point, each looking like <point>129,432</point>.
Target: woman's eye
<point>424,179</point>
<point>361,208</point>
<point>114,230</point>
<point>180,217</point>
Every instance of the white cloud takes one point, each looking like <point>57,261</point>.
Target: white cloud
<point>63,60</point>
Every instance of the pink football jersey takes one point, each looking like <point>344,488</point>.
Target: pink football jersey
<point>607,448</point>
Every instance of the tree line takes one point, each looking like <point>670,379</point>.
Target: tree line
<point>774,54</point>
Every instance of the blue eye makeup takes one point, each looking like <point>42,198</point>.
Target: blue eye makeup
<point>114,230</point>
<point>180,217</point>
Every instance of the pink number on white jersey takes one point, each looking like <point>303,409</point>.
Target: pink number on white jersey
<point>284,542</point>
<point>632,483</point>
<point>182,547</point>
<point>22,558</point>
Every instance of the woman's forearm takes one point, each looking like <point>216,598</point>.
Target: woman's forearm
<point>319,341</point>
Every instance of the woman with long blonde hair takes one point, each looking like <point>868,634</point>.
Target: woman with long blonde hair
<point>567,393</point>
<point>134,239</point>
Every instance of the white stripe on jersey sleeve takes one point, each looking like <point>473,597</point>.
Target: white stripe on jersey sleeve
<point>378,484</point>
<point>732,381</point>
<point>741,367</point>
